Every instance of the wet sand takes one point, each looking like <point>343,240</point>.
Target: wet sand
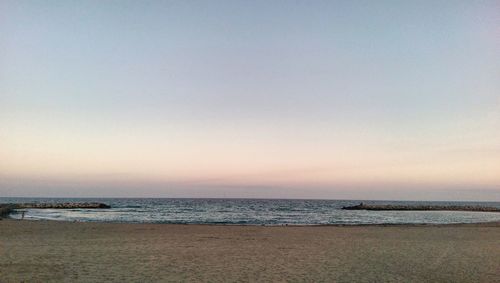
<point>43,251</point>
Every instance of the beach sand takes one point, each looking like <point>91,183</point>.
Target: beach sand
<point>43,251</point>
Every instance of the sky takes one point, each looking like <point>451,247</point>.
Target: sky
<point>260,99</point>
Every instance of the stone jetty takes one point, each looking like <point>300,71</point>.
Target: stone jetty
<point>62,205</point>
<point>379,207</point>
<point>7,208</point>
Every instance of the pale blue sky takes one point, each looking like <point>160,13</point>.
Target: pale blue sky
<point>395,95</point>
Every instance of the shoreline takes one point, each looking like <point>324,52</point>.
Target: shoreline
<point>480,224</point>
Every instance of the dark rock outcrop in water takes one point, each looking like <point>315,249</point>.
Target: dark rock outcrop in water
<point>421,207</point>
<point>6,209</point>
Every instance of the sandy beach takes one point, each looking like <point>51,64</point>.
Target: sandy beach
<point>43,251</point>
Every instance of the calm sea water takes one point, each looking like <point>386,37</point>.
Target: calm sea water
<point>250,212</point>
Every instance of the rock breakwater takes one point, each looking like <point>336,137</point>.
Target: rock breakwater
<point>421,207</point>
<point>63,205</point>
<point>7,208</point>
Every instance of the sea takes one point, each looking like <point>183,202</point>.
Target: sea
<point>272,212</point>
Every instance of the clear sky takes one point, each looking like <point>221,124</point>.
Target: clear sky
<point>289,99</point>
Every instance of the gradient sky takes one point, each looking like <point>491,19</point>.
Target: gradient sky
<point>288,99</point>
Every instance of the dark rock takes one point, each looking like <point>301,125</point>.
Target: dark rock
<point>6,209</point>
